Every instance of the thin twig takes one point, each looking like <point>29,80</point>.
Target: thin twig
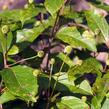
<point>79,25</point>
<point>58,77</point>
<point>23,60</point>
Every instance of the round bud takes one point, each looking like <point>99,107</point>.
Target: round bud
<point>84,98</point>
<point>52,61</point>
<point>37,23</point>
<point>40,54</point>
<point>68,49</point>
<point>5,29</point>
<point>36,72</point>
<point>30,1</point>
<point>77,61</point>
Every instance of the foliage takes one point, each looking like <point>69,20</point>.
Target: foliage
<point>50,55</point>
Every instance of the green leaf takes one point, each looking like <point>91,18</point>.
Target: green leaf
<point>100,88</point>
<point>31,34</point>
<point>95,21</point>
<point>72,36</point>
<point>29,13</point>
<point>95,104</point>
<point>5,41</point>
<point>105,104</point>
<point>2,42</point>
<point>89,65</point>
<point>9,40</point>
<point>6,96</point>
<point>65,58</point>
<point>86,87</point>
<point>53,6</point>
<point>67,13</point>
<point>20,81</point>
<point>71,102</point>
<point>64,85</point>
<point>10,15</point>
<point>21,14</point>
<point>26,36</point>
<point>13,50</point>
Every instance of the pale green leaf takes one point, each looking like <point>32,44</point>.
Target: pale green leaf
<point>66,59</point>
<point>13,50</point>
<point>53,5</point>
<point>71,102</point>
<point>64,85</point>
<point>105,104</point>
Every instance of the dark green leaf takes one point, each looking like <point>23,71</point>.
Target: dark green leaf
<point>20,81</point>
<point>100,88</point>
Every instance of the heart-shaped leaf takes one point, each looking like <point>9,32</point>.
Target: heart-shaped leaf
<point>21,82</point>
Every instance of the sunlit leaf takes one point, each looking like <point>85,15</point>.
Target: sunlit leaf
<point>53,5</point>
<point>65,85</point>
<point>71,102</point>
<point>13,50</point>
<point>72,36</point>
<point>89,65</point>
<point>96,21</point>
<point>6,96</point>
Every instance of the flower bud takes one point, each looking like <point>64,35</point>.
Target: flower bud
<point>52,61</point>
<point>40,54</point>
<point>30,1</point>
<point>84,98</point>
<point>77,61</point>
<point>68,49</point>
<point>36,72</point>
<point>37,23</point>
<point>5,29</point>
